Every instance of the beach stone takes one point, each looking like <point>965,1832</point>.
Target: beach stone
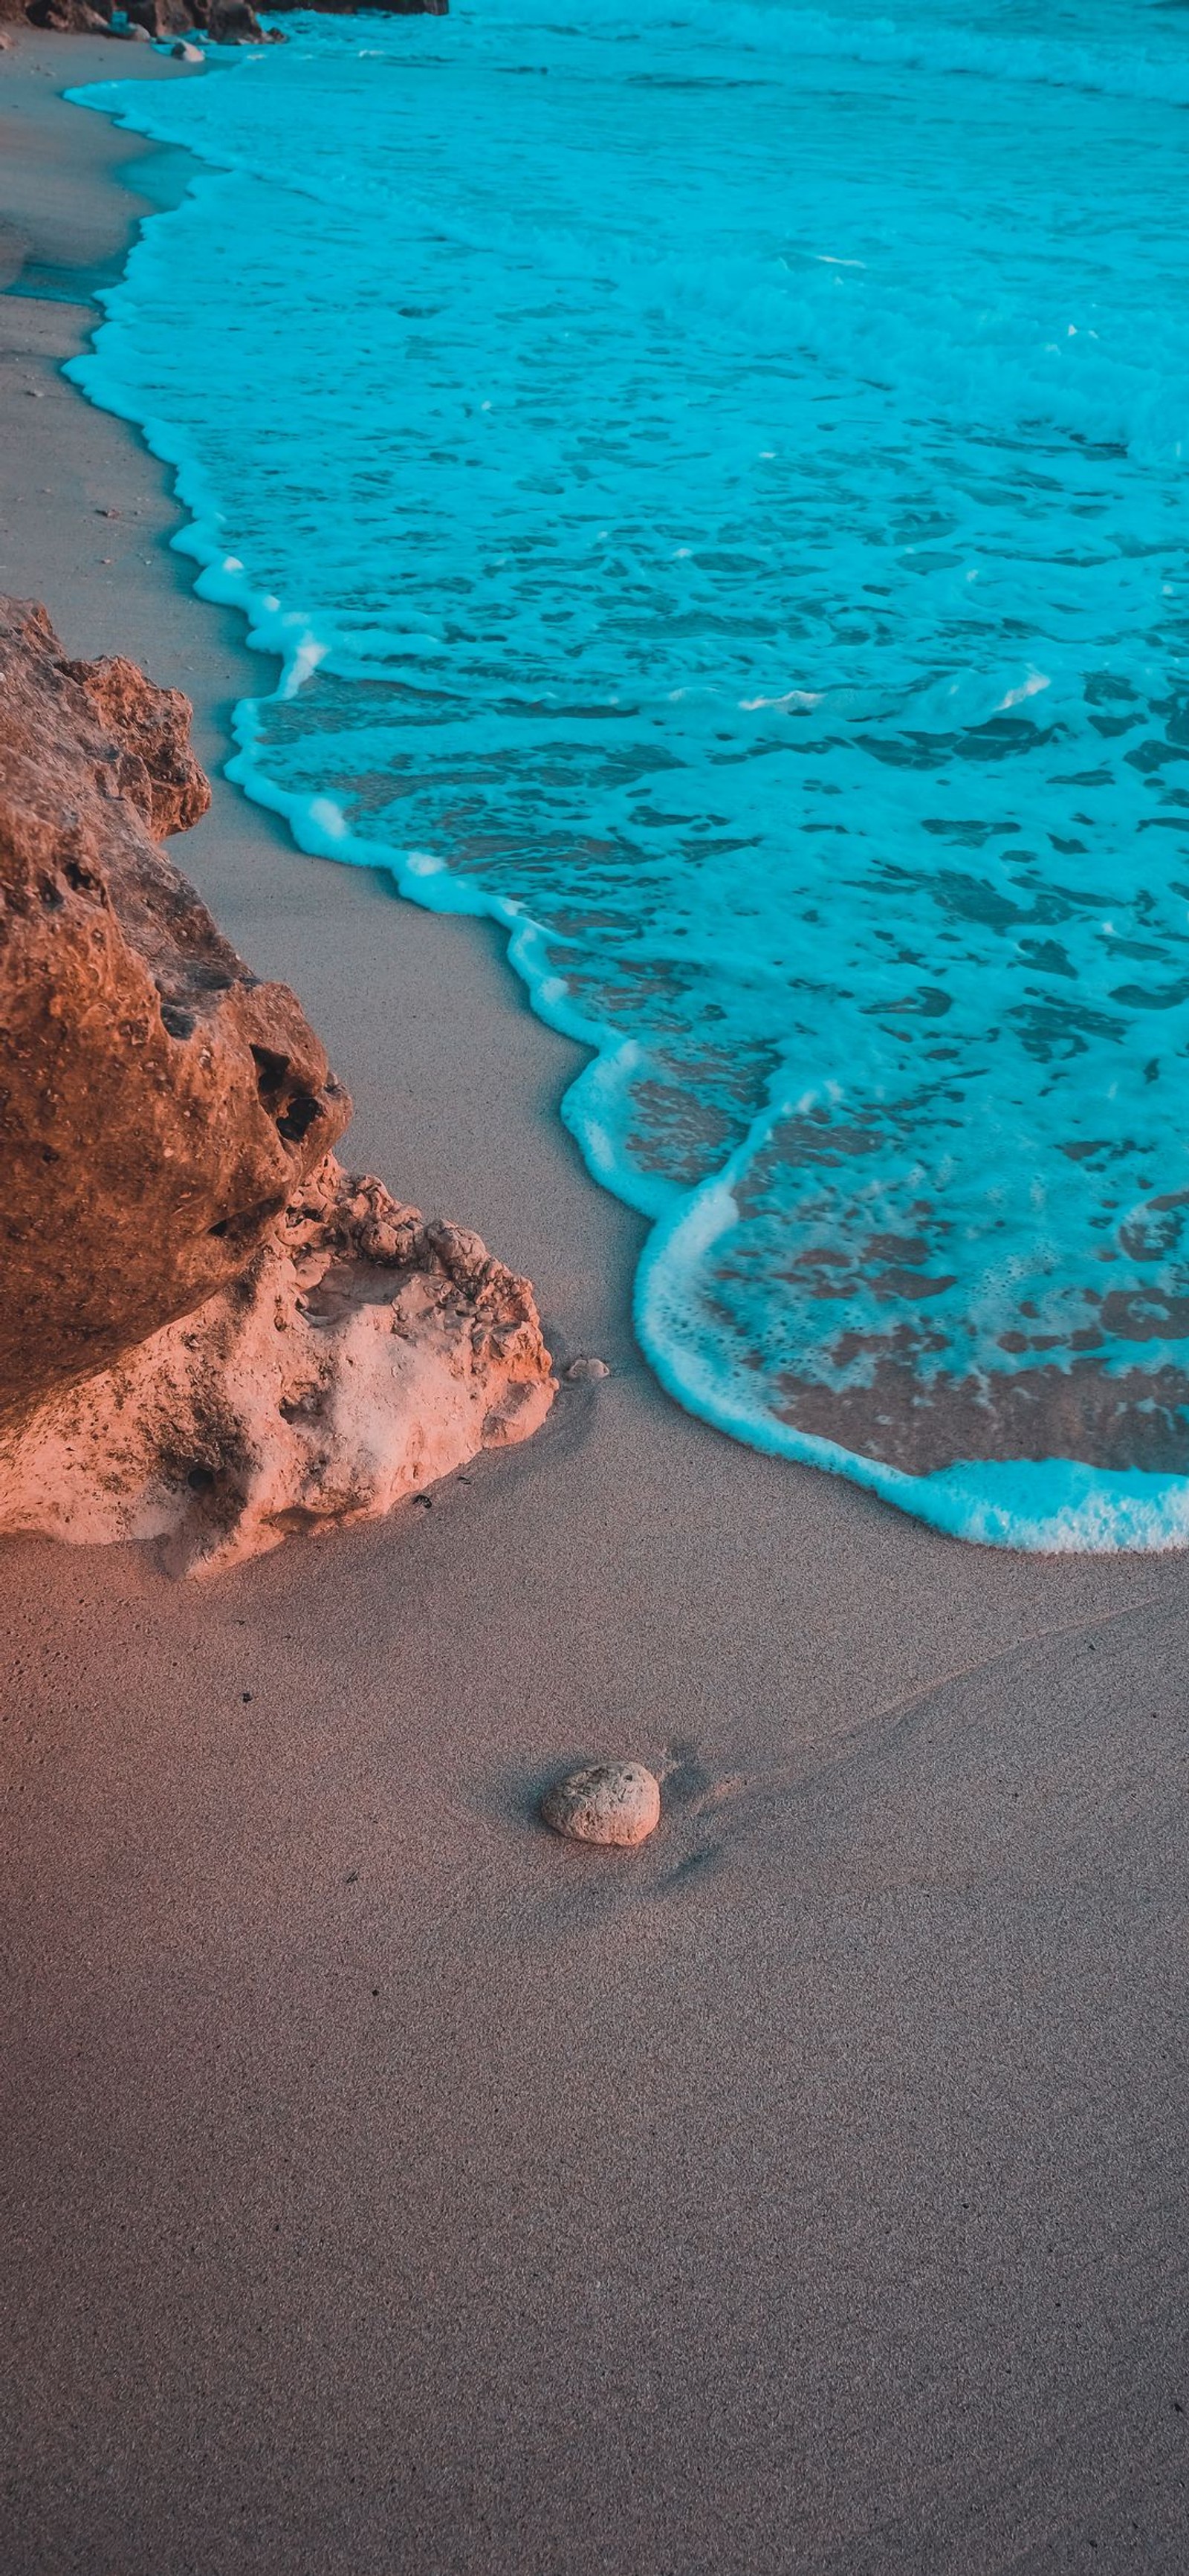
<point>608,1802</point>
<point>585,1372</point>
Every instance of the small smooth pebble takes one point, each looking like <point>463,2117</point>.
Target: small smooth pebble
<point>608,1802</point>
<point>584,1372</point>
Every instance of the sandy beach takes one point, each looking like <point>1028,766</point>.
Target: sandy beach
<point>390,2186</point>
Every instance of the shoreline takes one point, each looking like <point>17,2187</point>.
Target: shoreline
<point>1115,1488</point>
<point>392,2187</point>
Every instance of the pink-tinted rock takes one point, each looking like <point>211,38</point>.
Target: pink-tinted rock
<point>211,1334</point>
<point>159,1104</point>
<point>608,1802</point>
<point>363,1355</point>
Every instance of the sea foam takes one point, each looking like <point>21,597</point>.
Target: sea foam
<point>714,482</point>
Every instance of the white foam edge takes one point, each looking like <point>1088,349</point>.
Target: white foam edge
<point>1051,1506</point>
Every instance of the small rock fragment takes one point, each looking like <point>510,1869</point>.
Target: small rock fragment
<point>608,1802</point>
<point>584,1372</point>
<point>184,53</point>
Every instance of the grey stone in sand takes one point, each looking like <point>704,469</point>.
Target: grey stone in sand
<point>584,1372</point>
<point>608,1802</point>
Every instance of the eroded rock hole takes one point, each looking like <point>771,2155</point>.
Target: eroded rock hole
<point>294,1113</point>
<point>246,1227</point>
<point>271,1070</point>
<point>299,1117</point>
<point>83,879</point>
<point>177,1022</point>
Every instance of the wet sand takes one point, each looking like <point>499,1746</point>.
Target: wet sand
<point>387,2185</point>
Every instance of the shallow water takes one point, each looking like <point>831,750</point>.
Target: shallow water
<point>716,478</point>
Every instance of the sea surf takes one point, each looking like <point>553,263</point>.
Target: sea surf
<point>714,481</point>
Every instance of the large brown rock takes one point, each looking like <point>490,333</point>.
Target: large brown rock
<point>211,1335</point>
<point>159,1104</point>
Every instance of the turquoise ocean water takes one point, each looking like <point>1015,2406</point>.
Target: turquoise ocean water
<point>716,477</point>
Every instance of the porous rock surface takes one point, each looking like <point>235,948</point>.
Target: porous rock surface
<point>210,1335</point>
<point>607,1802</point>
<point>363,1355</point>
<point>159,1104</point>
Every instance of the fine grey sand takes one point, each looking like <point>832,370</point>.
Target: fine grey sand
<point>390,2185</point>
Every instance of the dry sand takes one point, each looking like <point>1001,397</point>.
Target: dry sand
<point>390,2186</point>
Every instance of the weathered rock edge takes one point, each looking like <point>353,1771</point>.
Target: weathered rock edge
<point>210,1334</point>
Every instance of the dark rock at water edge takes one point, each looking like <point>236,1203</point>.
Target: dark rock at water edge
<point>223,22</point>
<point>382,8</point>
